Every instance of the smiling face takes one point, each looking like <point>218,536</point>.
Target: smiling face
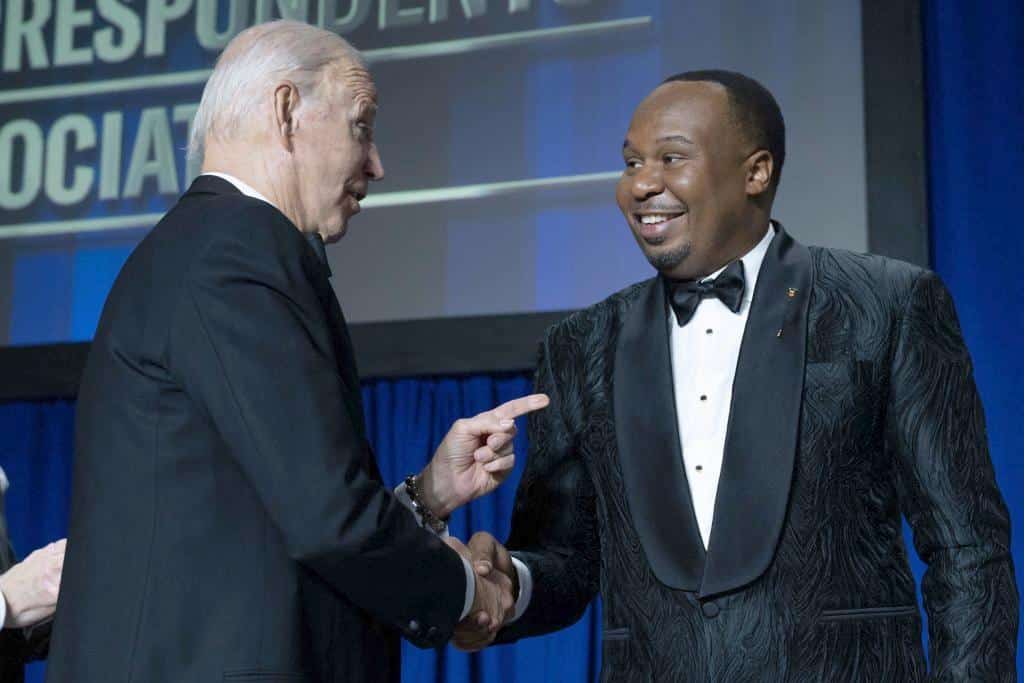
<point>335,155</point>
<point>689,188</point>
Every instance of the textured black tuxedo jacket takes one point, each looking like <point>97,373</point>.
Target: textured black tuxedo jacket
<point>853,403</point>
<point>17,646</point>
<point>228,521</point>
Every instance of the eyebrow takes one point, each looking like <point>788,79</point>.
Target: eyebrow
<point>676,138</point>
<point>668,138</point>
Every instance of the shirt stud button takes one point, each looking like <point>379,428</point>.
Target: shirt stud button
<point>709,330</point>
<point>704,397</point>
<point>700,468</point>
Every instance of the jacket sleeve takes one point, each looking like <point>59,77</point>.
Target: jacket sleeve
<point>251,345</point>
<point>554,520</point>
<point>37,640</point>
<point>948,493</point>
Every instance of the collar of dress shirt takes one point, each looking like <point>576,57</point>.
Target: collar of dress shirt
<point>247,189</point>
<point>751,264</point>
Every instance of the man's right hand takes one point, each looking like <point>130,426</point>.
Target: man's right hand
<point>492,562</point>
<point>493,601</point>
<point>31,586</point>
<point>490,555</point>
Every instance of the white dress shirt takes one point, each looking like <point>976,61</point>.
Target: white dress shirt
<point>400,492</point>
<point>704,354</point>
<point>241,186</point>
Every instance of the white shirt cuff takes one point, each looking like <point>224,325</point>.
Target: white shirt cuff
<point>470,588</point>
<point>403,497</point>
<point>3,609</point>
<point>525,588</point>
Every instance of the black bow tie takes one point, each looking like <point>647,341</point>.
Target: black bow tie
<point>685,295</point>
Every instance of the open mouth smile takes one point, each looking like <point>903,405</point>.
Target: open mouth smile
<point>653,225</point>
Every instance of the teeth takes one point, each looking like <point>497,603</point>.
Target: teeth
<point>652,218</point>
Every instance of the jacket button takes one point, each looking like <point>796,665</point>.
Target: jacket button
<point>710,609</point>
<point>431,632</point>
<point>414,626</point>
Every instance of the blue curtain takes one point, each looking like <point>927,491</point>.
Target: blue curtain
<point>974,52</point>
<point>406,419</point>
<point>36,441</point>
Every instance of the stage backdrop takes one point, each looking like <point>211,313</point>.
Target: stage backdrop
<point>501,126</point>
<point>51,288</point>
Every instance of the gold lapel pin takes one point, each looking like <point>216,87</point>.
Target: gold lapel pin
<point>792,292</point>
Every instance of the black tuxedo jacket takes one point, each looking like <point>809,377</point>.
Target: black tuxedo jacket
<point>17,646</point>
<point>228,521</point>
<point>853,402</point>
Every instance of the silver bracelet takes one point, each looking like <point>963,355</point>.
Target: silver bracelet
<point>436,524</point>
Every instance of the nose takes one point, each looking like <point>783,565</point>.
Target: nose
<point>647,183</point>
<point>374,166</point>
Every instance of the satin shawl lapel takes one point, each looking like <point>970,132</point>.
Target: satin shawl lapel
<point>761,442</point>
<point>647,433</point>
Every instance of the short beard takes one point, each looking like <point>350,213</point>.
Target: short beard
<point>665,261</point>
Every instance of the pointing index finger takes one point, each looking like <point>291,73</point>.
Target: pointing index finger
<point>521,406</point>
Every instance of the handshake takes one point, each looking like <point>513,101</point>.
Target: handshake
<point>474,458</point>
<point>497,589</point>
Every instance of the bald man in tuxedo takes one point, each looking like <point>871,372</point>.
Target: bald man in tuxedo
<point>733,444</point>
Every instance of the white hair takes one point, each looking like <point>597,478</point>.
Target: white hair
<point>257,56</point>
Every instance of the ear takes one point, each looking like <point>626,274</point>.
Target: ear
<point>759,167</point>
<point>286,103</point>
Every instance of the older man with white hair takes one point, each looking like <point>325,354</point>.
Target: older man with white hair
<point>228,520</point>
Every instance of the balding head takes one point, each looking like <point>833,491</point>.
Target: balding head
<point>254,62</point>
<point>696,190</point>
<point>289,109</point>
